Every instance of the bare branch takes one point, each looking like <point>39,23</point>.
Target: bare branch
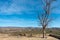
<point>44,16</point>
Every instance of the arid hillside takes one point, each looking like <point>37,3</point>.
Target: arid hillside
<point>29,33</point>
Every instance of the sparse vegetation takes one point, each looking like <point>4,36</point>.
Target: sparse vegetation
<point>30,32</point>
<point>27,32</point>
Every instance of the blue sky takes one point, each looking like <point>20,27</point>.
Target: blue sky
<point>23,13</point>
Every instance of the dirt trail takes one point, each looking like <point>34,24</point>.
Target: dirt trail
<point>6,37</point>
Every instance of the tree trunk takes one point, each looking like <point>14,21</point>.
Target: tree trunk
<point>43,32</point>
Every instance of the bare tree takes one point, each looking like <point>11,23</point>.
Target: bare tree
<point>44,17</point>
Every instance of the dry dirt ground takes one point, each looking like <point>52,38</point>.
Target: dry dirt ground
<point>6,37</point>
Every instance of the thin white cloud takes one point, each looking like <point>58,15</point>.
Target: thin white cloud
<point>12,8</point>
<point>17,6</point>
<point>56,11</point>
